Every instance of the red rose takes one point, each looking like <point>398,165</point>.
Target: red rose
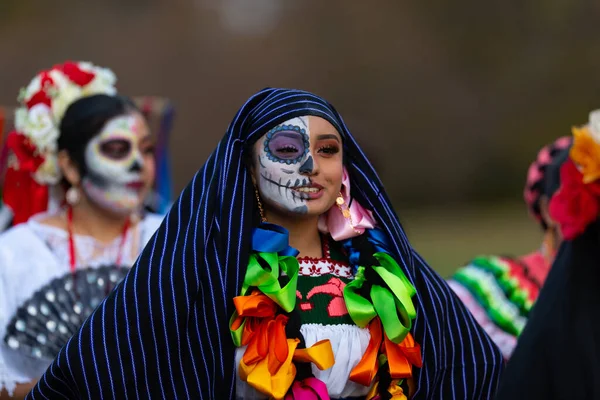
<point>25,152</point>
<point>39,97</point>
<point>76,74</point>
<point>576,204</point>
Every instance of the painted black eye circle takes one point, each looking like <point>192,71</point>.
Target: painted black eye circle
<point>286,144</point>
<point>116,149</point>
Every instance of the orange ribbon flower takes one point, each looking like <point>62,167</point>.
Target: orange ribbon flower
<point>401,357</point>
<point>249,311</point>
<point>263,332</point>
<point>267,364</point>
<point>395,390</point>
<point>277,383</point>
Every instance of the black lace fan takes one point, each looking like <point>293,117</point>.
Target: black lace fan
<point>46,321</point>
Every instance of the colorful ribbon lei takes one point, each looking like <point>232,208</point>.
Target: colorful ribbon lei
<point>260,318</point>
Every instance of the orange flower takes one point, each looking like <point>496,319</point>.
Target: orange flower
<point>586,154</point>
<point>267,363</point>
<point>401,357</point>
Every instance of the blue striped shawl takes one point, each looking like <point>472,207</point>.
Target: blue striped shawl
<point>163,333</point>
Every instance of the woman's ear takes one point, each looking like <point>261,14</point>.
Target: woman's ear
<point>68,168</point>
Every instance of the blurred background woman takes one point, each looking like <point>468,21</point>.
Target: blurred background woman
<point>80,168</point>
<point>558,356</point>
<point>500,290</point>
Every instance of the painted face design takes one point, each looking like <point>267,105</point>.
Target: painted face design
<point>114,165</point>
<point>284,162</point>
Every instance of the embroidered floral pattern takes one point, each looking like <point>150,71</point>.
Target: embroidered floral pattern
<point>334,288</point>
<point>311,266</point>
<point>324,267</point>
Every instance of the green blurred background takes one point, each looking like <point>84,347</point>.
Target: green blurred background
<point>451,100</point>
<point>449,237</point>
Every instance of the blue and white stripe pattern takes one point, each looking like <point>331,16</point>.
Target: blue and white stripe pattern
<point>164,334</point>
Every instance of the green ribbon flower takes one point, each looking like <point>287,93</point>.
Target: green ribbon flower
<point>397,320</point>
<point>263,273</point>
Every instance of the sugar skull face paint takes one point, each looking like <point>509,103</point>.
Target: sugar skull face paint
<point>119,164</point>
<point>298,166</point>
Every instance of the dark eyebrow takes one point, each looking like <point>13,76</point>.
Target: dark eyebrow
<point>290,134</point>
<point>328,136</point>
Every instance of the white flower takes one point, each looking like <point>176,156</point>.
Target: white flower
<point>100,85</point>
<point>64,94</point>
<point>40,127</point>
<point>594,125</point>
<point>21,119</point>
<point>48,173</point>
<point>103,82</point>
<point>67,92</point>
<point>67,96</point>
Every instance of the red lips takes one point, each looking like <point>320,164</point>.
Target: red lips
<point>139,185</point>
<point>309,185</point>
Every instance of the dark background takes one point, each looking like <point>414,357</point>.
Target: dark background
<point>451,100</point>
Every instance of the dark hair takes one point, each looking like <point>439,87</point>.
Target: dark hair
<point>85,118</point>
<point>552,175</point>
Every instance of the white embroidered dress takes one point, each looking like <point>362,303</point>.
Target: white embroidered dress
<point>31,255</point>
<point>324,316</point>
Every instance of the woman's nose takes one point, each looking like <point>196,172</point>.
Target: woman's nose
<point>136,166</point>
<point>308,167</point>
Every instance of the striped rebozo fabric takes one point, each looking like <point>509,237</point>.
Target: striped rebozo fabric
<point>164,332</point>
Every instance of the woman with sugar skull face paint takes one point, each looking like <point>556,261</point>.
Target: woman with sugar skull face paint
<point>288,159</point>
<point>281,273</point>
<point>81,165</point>
<point>117,164</point>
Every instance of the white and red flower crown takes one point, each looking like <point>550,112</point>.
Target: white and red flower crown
<point>43,104</point>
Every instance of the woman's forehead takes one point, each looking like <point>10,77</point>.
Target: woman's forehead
<point>130,124</point>
<point>309,124</point>
<point>319,126</point>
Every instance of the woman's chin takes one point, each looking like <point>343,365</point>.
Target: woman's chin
<point>319,207</point>
<point>307,209</point>
<point>121,208</point>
